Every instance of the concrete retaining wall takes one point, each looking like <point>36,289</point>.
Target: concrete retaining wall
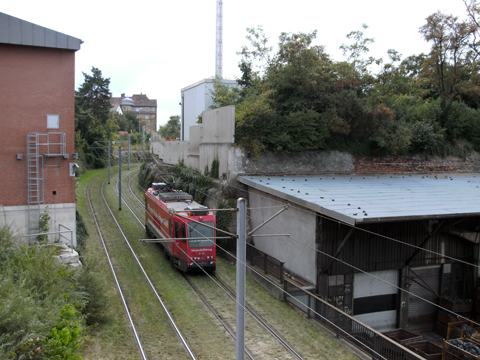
<point>63,214</point>
<point>213,139</point>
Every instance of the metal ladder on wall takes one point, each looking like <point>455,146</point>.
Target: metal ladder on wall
<point>35,182</point>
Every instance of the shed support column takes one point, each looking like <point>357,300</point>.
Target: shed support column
<point>344,241</point>
<point>403,305</point>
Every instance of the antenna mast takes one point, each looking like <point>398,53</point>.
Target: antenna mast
<point>219,47</point>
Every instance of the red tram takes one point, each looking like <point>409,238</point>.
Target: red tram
<point>174,215</point>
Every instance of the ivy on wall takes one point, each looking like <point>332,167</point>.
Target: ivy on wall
<point>194,183</point>
<point>224,219</point>
<point>186,179</point>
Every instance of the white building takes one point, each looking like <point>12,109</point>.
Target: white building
<point>197,98</point>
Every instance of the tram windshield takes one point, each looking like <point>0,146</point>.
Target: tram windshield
<point>204,237</point>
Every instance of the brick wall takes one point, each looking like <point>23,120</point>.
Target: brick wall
<point>34,82</point>
<point>416,164</point>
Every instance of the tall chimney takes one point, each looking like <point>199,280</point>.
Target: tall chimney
<point>219,47</point>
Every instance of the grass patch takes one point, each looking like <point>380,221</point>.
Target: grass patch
<point>112,337</point>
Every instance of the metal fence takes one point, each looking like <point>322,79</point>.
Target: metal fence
<point>377,345</point>
<point>269,264</point>
<point>66,240</point>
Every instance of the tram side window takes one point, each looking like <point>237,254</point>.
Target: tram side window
<point>177,230</point>
<point>180,232</point>
<point>183,234</point>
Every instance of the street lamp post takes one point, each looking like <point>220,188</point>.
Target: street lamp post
<point>139,118</point>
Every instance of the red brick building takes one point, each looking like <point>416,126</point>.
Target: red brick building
<point>37,126</point>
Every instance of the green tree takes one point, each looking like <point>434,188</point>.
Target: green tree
<point>94,94</point>
<point>259,51</point>
<point>94,124</point>
<point>452,63</point>
<point>355,51</point>
<point>299,99</point>
<point>171,129</point>
<point>223,94</point>
<point>126,122</point>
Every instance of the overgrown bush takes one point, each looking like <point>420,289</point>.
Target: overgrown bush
<point>91,281</point>
<point>44,225</point>
<point>66,338</point>
<point>426,138</point>
<point>215,173</point>
<point>194,183</point>
<point>82,233</point>
<point>40,303</point>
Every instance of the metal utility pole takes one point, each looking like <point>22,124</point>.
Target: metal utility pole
<point>241,261</point>
<point>139,110</point>
<point>241,269</point>
<point>128,168</point>
<point>119,178</point>
<point>143,133</point>
<point>108,161</point>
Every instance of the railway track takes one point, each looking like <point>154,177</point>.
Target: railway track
<point>217,316</point>
<point>261,321</point>
<point>138,340</point>
<point>291,351</point>
<point>117,283</point>
<point>227,328</point>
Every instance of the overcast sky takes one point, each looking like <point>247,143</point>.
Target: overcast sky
<point>157,47</point>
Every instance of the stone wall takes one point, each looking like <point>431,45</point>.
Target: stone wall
<point>338,162</point>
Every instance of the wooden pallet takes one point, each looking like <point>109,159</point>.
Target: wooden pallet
<point>426,349</point>
<point>403,336</point>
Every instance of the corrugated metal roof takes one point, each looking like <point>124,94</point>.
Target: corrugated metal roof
<point>20,32</point>
<point>354,199</point>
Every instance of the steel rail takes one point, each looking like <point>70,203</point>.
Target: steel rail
<point>170,318</point>
<point>137,339</point>
<point>262,322</point>
<point>227,328</point>
<point>135,195</point>
<point>129,208</point>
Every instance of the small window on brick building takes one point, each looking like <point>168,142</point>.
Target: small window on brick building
<point>53,122</point>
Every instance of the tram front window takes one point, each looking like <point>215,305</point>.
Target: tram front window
<point>204,237</point>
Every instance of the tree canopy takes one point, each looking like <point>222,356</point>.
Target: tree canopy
<point>171,129</point>
<point>298,99</point>
<point>94,123</point>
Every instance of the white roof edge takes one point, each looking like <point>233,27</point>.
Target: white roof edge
<point>204,81</point>
<point>295,200</point>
